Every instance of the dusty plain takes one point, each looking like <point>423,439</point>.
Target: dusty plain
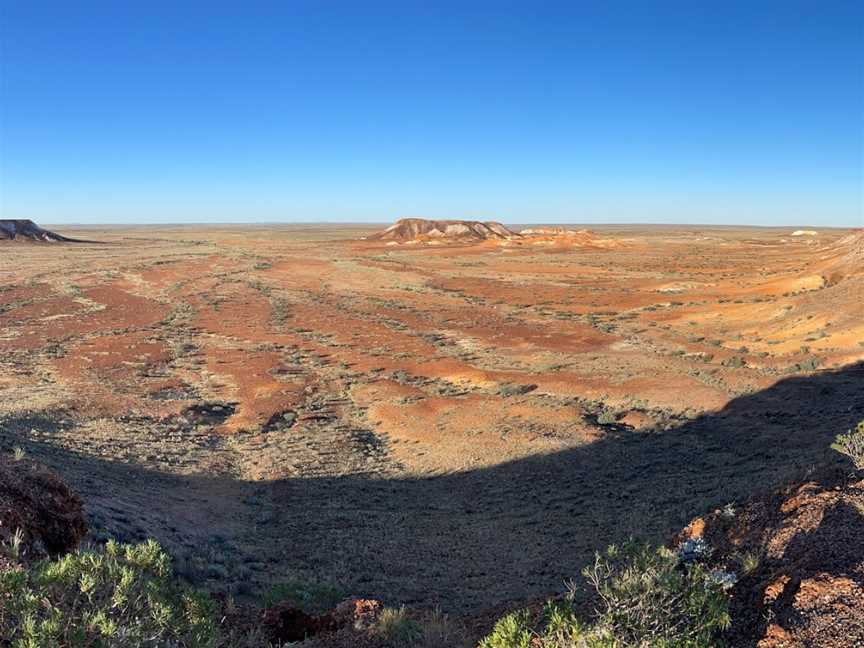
<point>456,425</point>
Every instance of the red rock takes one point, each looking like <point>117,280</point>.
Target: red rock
<point>34,500</point>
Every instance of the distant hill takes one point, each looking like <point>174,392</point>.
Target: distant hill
<point>420,229</point>
<point>27,230</point>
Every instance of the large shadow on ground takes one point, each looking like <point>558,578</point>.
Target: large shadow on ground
<point>509,533</point>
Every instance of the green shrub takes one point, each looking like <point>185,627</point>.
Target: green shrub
<point>852,445</point>
<point>557,627</point>
<point>648,598</point>
<point>511,631</point>
<point>122,596</point>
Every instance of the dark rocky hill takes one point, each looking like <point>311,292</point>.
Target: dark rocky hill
<point>27,230</point>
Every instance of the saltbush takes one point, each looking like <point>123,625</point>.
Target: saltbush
<point>120,597</point>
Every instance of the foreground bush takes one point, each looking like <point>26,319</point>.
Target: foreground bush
<point>121,597</point>
<point>648,598</point>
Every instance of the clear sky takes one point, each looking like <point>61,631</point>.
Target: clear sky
<point>292,110</point>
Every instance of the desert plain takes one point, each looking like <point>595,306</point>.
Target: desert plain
<point>452,425</point>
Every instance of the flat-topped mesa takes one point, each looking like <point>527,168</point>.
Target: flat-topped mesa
<point>419,229</point>
<point>27,230</point>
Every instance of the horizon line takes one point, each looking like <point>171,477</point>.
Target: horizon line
<point>504,222</point>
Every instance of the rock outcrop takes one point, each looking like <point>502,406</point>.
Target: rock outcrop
<point>562,237</point>
<point>806,587</point>
<point>419,230</point>
<point>40,508</point>
<point>27,230</point>
<point>286,623</point>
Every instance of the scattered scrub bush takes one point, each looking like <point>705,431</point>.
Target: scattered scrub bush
<point>810,364</point>
<point>735,362</point>
<point>607,417</point>
<point>852,445</point>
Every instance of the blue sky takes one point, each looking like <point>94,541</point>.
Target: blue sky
<point>693,112</point>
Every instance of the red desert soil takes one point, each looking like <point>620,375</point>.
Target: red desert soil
<point>458,425</point>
